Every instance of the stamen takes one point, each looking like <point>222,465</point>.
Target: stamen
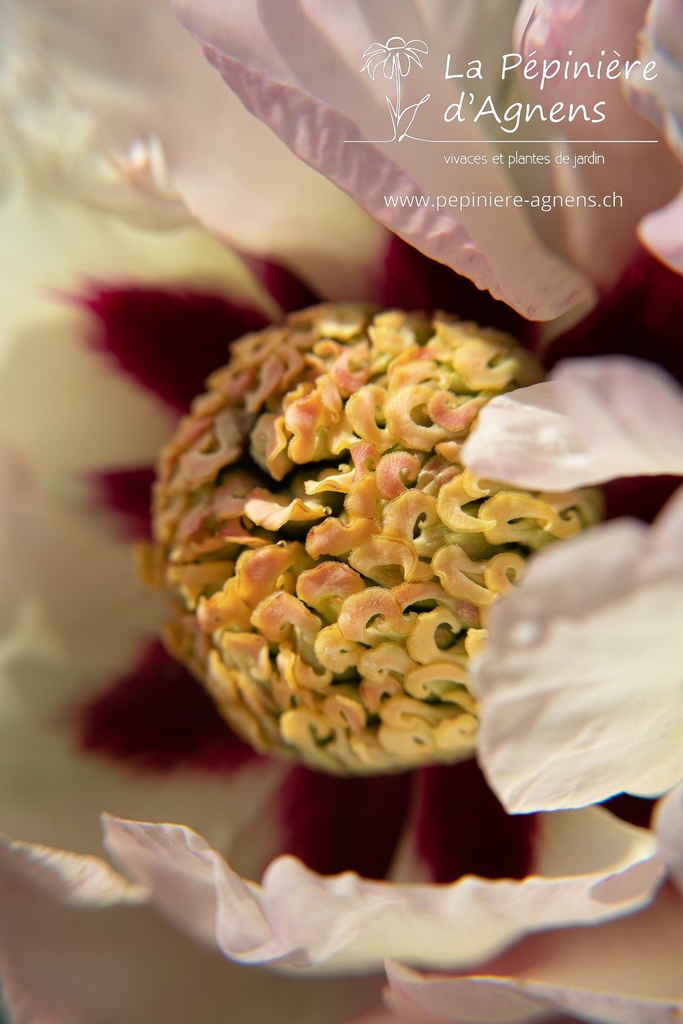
<point>330,560</point>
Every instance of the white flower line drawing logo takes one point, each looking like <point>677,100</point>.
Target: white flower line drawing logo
<point>396,58</point>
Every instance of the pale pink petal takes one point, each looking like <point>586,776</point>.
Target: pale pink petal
<point>662,232</point>
<point>525,12</point>
<point>580,681</point>
<point>107,963</point>
<point>344,922</point>
<point>161,855</point>
<point>623,972</point>
<point>596,420</point>
<point>601,239</point>
<point>299,70</point>
<point>657,92</point>
<point>128,86</point>
<point>668,824</point>
<point>70,877</point>
<point>385,1015</point>
<point>461,1000</point>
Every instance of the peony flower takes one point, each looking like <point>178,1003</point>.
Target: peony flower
<point>584,867</point>
<point>273,866</point>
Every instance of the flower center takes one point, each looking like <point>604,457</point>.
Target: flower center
<point>330,561</point>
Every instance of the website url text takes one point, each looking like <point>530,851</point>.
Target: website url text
<point>473,200</point>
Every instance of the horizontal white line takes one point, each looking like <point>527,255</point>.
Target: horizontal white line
<point>515,142</point>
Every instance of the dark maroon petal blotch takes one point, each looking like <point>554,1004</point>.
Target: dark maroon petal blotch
<point>157,717</point>
<point>169,341</point>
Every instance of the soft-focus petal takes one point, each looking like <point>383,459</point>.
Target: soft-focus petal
<point>462,1000</point>
<point>49,553</point>
<point>125,82</point>
<point>383,1015</point>
<point>623,972</point>
<point>53,249</point>
<point>348,923</point>
<point>596,420</point>
<point>580,681</point>
<point>108,963</point>
<point>662,232</point>
<point>600,239</point>
<point>72,616</point>
<point>660,97</point>
<point>287,66</point>
<point>658,94</point>
<point>70,877</point>
<point>668,825</point>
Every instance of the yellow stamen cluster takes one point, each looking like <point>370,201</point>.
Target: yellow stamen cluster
<point>331,561</point>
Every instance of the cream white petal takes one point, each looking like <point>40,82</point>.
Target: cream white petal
<point>60,403</point>
<point>347,923</point>
<point>595,420</point>
<point>580,681</point>
<point>73,615</point>
<point>73,618</point>
<point>78,579</point>
<point>150,108</point>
